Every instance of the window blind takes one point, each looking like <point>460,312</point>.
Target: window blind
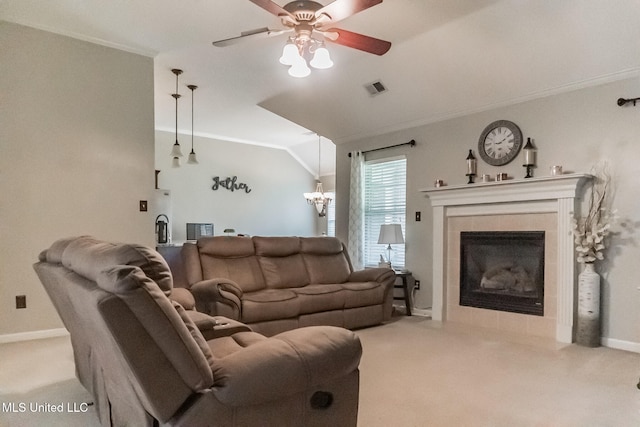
<point>385,202</point>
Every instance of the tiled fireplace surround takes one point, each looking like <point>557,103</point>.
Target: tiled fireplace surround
<point>535,204</point>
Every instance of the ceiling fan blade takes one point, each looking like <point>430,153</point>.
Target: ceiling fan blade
<point>342,9</point>
<point>357,41</point>
<point>249,35</point>
<point>274,9</point>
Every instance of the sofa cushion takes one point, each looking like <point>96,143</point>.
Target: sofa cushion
<point>276,246</point>
<point>88,257</point>
<point>317,298</point>
<point>225,346</point>
<point>325,260</point>
<point>281,262</point>
<point>231,257</point>
<point>360,294</point>
<point>162,322</point>
<point>284,272</point>
<point>226,246</point>
<point>269,304</point>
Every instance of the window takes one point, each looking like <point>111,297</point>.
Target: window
<point>331,216</point>
<point>385,202</point>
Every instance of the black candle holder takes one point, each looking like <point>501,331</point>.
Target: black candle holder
<point>471,178</point>
<point>529,171</point>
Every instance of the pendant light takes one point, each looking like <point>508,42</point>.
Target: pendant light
<point>176,153</point>
<point>192,155</point>
<point>318,198</point>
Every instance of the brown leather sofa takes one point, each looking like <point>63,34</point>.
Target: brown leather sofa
<point>276,284</point>
<point>148,361</point>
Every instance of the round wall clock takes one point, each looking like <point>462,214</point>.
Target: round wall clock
<point>500,142</point>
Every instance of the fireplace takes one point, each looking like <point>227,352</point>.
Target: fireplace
<point>503,270</point>
<point>541,203</point>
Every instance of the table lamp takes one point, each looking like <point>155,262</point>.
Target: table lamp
<point>390,234</point>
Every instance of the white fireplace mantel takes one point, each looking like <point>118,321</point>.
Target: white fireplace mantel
<point>556,194</point>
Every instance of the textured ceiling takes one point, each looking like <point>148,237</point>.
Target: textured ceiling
<point>448,58</point>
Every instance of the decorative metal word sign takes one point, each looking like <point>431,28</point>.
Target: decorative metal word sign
<point>230,184</point>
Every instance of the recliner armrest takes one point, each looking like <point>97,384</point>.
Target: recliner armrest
<point>210,291</point>
<point>285,364</point>
<point>380,275</point>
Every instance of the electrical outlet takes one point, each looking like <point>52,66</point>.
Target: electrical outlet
<point>417,285</point>
<point>21,301</point>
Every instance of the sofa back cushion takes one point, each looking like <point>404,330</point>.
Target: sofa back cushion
<point>161,321</point>
<point>326,259</point>
<point>281,262</point>
<point>233,258</point>
<point>89,256</point>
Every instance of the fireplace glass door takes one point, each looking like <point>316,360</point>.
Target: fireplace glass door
<point>503,271</point>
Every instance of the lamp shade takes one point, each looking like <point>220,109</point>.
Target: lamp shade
<point>321,59</point>
<point>390,234</point>
<point>289,54</point>
<point>299,68</point>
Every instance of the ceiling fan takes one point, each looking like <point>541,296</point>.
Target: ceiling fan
<point>306,18</point>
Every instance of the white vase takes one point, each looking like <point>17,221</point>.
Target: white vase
<point>588,331</point>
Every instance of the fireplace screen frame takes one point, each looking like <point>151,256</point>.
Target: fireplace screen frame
<point>519,301</point>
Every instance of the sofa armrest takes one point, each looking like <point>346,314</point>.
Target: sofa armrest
<point>286,364</point>
<point>211,291</point>
<point>183,297</point>
<point>380,275</point>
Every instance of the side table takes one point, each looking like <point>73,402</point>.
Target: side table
<point>405,288</point>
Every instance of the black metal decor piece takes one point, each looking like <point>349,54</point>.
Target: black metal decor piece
<point>622,101</point>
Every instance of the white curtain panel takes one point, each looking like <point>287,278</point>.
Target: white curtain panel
<point>356,211</point>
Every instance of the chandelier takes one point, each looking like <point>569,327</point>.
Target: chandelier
<point>299,48</point>
<point>318,198</point>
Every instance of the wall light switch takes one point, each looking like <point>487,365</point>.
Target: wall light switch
<point>143,205</point>
<point>418,216</point>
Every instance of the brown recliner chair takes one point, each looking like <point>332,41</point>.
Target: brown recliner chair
<point>146,362</point>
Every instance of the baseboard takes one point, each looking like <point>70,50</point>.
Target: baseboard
<point>33,335</point>
<point>621,345</point>
<point>421,312</point>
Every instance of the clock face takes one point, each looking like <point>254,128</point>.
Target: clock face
<point>500,143</point>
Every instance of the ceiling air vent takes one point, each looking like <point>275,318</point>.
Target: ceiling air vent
<point>375,88</point>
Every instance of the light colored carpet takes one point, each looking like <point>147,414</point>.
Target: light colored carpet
<point>414,372</point>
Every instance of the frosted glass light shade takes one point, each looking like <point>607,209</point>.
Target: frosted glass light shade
<point>321,59</point>
<point>175,163</point>
<point>299,68</point>
<point>175,151</point>
<point>290,54</point>
<point>192,158</point>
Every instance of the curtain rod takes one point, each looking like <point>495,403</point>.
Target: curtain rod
<point>411,143</point>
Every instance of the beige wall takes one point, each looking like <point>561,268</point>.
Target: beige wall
<point>274,207</point>
<point>76,144</point>
<point>575,129</point>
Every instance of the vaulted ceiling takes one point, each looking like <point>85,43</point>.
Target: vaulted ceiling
<point>448,58</point>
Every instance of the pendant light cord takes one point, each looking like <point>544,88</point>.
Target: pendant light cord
<point>176,95</point>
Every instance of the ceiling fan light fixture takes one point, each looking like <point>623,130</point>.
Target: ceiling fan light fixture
<point>290,54</point>
<point>299,68</point>
<point>321,58</point>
